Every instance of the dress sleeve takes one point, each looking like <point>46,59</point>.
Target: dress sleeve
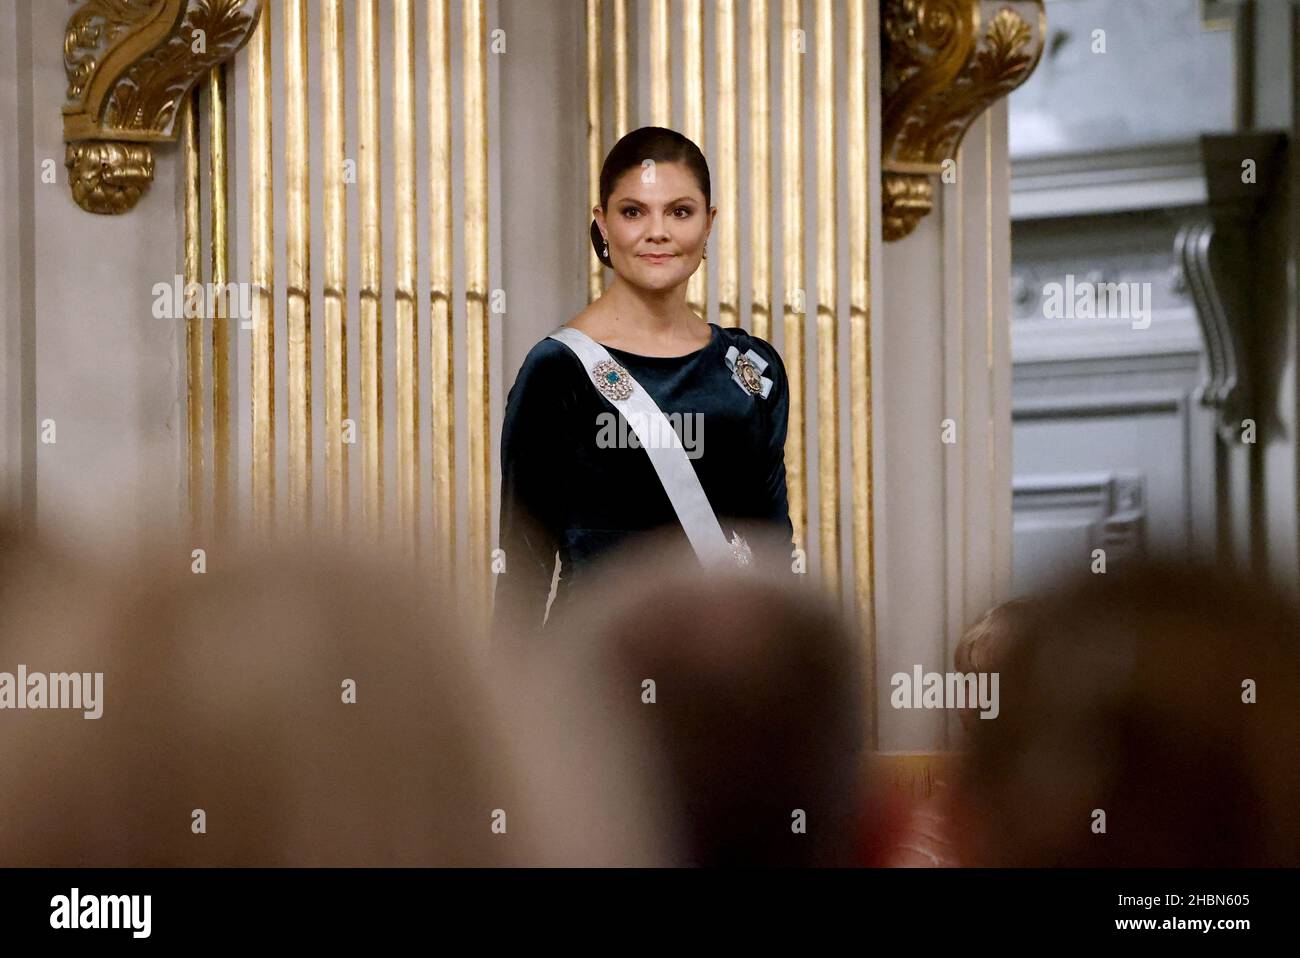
<point>529,498</point>
<point>776,507</point>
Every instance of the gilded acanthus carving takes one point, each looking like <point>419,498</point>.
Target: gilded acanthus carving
<point>945,63</point>
<point>108,177</point>
<point>906,198</point>
<point>130,63</point>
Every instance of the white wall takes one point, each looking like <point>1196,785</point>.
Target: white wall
<point>944,536</point>
<point>79,288</point>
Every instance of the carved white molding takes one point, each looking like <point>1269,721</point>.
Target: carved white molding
<point>1062,518</point>
<point>1112,181</point>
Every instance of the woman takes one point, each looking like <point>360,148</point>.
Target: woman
<point>587,460</point>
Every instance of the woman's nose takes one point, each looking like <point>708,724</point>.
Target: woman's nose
<point>659,225</point>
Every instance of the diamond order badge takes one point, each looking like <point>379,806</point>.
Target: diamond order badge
<point>747,371</point>
<point>750,376</point>
<point>612,380</point>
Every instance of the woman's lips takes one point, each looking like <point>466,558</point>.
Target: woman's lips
<point>657,257</point>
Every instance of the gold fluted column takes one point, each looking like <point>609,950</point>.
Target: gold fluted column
<point>760,172</point>
<point>620,70</point>
<point>442,379</point>
<point>371,267</point>
<point>726,253</point>
<point>406,345</point>
<point>193,324</point>
<point>828,393</point>
<point>860,422</point>
<point>297,260</point>
<point>595,153</point>
<point>692,13</point>
<point>476,311</point>
<point>218,212</point>
<point>661,75</point>
<point>262,276</point>
<point>334,157</point>
<point>792,241</point>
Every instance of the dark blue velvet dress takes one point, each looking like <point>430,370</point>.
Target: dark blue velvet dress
<point>565,489</point>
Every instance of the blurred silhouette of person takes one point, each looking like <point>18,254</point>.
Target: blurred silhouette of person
<point>1165,699</point>
<point>749,688</point>
<point>319,706</point>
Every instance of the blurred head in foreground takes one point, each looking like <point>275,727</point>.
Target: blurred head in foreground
<point>984,646</point>
<point>1160,705</point>
<point>292,707</point>
<point>749,688</point>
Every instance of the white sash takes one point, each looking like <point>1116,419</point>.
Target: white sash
<point>670,462</point>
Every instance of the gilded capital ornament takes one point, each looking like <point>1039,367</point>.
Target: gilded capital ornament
<point>945,63</point>
<point>130,64</point>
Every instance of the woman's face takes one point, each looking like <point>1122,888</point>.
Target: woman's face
<point>656,225</point>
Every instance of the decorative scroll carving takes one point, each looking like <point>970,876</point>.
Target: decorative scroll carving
<point>109,177</point>
<point>945,63</point>
<point>1076,513</point>
<point>1219,255</point>
<point>906,198</point>
<point>1224,387</point>
<point>130,63</point>
<point>1123,530</point>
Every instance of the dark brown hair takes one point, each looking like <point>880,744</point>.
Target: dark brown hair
<point>1128,694</point>
<point>757,712</point>
<point>648,143</point>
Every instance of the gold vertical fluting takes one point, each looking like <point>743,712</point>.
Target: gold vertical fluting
<point>193,323</point>
<point>620,70</point>
<point>661,75</point>
<point>726,253</point>
<point>371,267</point>
<point>760,172</point>
<point>334,157</point>
<point>442,379</point>
<point>476,307</point>
<point>792,43</point>
<point>297,260</point>
<point>406,345</point>
<point>262,276</point>
<point>596,274</point>
<point>218,209</point>
<point>828,392</point>
<point>860,424</point>
<point>697,289</point>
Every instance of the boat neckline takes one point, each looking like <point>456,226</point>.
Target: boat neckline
<point>713,338</point>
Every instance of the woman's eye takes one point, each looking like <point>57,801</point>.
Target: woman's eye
<point>632,211</point>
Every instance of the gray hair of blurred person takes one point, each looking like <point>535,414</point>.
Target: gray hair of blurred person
<point>225,694</point>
